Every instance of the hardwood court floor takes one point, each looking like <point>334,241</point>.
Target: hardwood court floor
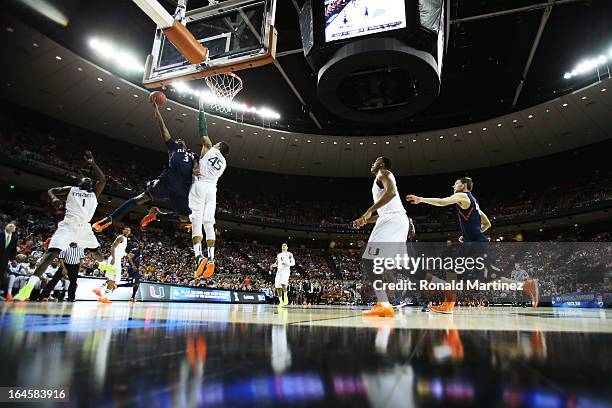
<point>184,355</point>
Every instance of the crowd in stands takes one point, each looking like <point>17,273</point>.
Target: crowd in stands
<point>330,275</point>
<point>58,149</point>
<point>320,276</point>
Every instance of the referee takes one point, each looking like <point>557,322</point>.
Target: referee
<point>70,264</point>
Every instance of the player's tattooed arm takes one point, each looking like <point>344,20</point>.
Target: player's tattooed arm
<point>101,183</point>
<point>165,133</point>
<point>56,192</point>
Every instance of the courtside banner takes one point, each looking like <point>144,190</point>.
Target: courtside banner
<point>596,300</point>
<point>155,292</point>
<point>497,272</point>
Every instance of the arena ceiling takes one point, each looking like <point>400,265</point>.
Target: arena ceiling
<point>79,92</point>
<point>489,53</point>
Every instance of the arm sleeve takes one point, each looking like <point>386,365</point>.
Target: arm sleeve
<point>202,125</point>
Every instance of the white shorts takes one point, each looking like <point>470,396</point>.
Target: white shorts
<point>388,237</point>
<point>203,204</point>
<point>112,271</point>
<point>282,278</point>
<point>66,233</point>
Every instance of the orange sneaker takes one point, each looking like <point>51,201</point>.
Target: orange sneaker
<point>97,292</point>
<point>150,217</point>
<point>379,311</point>
<point>104,300</point>
<point>201,264</point>
<point>102,224</point>
<point>532,288</point>
<point>443,308</point>
<point>9,297</point>
<point>210,269</point>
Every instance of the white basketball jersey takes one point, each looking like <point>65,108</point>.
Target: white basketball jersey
<point>392,207</point>
<point>80,206</point>
<point>120,249</point>
<point>212,166</point>
<point>284,261</point>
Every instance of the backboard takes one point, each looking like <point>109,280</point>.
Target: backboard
<point>238,34</point>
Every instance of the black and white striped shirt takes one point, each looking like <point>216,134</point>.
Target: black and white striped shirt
<point>72,256</point>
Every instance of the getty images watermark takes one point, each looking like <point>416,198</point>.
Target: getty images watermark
<point>484,266</point>
<point>430,264</point>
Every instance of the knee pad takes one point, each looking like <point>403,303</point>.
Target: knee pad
<point>209,229</point>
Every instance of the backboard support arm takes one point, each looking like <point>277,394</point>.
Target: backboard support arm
<point>174,29</point>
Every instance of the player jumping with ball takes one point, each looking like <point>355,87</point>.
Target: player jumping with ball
<point>203,197</point>
<point>173,183</point>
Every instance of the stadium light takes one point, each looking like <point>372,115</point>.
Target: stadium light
<point>48,10</point>
<point>588,65</point>
<point>209,98</point>
<point>121,58</point>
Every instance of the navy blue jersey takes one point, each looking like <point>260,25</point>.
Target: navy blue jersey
<point>135,257</point>
<point>180,165</point>
<point>469,221</point>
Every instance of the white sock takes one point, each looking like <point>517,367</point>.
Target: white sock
<point>107,292</point>
<point>385,304</point>
<point>197,249</point>
<point>33,280</point>
<point>211,253</point>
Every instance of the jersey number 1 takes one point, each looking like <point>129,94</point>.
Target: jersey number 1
<point>83,202</point>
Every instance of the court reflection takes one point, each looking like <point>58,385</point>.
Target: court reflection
<point>178,362</point>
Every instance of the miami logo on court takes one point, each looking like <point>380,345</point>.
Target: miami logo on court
<point>153,290</point>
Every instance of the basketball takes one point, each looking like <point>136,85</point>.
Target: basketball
<point>158,97</point>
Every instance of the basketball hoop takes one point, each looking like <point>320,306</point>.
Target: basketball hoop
<point>224,87</point>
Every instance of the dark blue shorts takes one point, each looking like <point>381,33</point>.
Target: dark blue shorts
<point>162,189</point>
<point>133,273</point>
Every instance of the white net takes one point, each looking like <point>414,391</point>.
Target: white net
<point>224,88</point>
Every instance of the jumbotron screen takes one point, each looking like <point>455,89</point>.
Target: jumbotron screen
<point>356,18</point>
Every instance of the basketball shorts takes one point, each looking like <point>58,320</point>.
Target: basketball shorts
<point>388,237</point>
<point>133,272</point>
<point>282,278</point>
<point>203,204</point>
<point>112,271</point>
<point>66,233</point>
<point>163,189</point>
